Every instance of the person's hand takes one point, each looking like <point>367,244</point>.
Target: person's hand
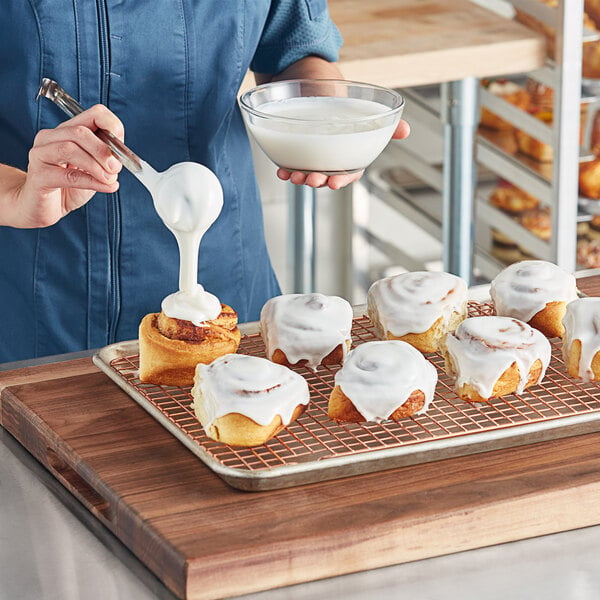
<point>335,182</point>
<point>67,166</point>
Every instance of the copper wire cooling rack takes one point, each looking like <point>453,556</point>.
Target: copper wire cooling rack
<point>315,448</point>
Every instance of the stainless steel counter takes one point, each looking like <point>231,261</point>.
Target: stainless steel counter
<point>51,549</point>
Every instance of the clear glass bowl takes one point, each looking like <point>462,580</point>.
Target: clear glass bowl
<point>325,125</point>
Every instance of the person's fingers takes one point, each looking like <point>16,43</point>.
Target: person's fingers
<point>298,178</point>
<point>98,117</point>
<point>283,174</point>
<point>336,182</point>
<point>316,180</point>
<point>78,146</point>
<point>402,130</point>
<point>55,177</point>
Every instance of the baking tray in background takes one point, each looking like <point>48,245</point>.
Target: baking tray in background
<point>315,448</point>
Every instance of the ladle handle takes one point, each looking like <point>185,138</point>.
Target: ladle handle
<point>51,90</point>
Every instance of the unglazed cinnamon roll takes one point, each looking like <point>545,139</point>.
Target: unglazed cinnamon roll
<point>246,400</point>
<point>170,348</point>
<point>581,342</point>
<point>382,380</point>
<point>534,291</point>
<point>419,307</point>
<point>491,357</point>
<point>306,329</point>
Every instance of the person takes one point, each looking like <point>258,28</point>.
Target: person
<point>83,254</point>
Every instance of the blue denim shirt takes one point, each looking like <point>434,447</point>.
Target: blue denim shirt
<point>171,71</point>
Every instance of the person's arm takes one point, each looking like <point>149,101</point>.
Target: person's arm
<point>67,166</point>
<point>314,67</point>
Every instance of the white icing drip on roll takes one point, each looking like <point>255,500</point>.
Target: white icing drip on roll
<point>196,305</point>
<point>306,326</point>
<point>190,198</point>
<point>413,302</point>
<point>482,348</point>
<point>251,386</point>
<point>379,377</point>
<point>582,322</point>
<point>523,289</point>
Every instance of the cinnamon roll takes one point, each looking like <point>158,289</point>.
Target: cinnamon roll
<point>581,342</point>
<point>534,291</point>
<point>170,348</point>
<point>491,357</point>
<point>306,329</point>
<point>246,400</point>
<point>419,307</point>
<point>382,380</point>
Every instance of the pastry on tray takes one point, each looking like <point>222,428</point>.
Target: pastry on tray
<point>505,249</point>
<point>538,221</point>
<point>581,342</point>
<point>593,231</point>
<point>491,357</point>
<point>512,199</point>
<point>588,253</point>
<point>246,400</point>
<point>534,291</point>
<point>419,307</point>
<point>306,329</point>
<point>508,91</point>
<point>170,348</point>
<point>533,147</point>
<point>382,380</point>
<point>589,178</point>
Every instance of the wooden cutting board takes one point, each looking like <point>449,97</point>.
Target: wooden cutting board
<point>207,540</point>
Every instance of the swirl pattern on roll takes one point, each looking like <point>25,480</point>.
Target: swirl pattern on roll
<point>306,326</point>
<point>413,302</point>
<point>251,386</point>
<point>523,289</point>
<point>380,376</point>
<point>482,348</point>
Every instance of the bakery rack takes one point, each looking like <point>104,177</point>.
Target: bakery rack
<point>555,184</point>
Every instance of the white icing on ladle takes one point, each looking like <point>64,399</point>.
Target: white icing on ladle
<point>188,197</point>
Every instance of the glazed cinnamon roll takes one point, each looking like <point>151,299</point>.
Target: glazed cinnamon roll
<point>491,357</point>
<point>382,380</point>
<point>419,307</point>
<point>534,291</point>
<point>246,400</point>
<point>581,342</point>
<point>170,348</point>
<point>306,329</point>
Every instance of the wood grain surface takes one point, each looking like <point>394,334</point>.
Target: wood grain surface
<point>404,43</point>
<point>207,540</point>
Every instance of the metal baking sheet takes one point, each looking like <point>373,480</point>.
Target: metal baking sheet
<point>314,448</point>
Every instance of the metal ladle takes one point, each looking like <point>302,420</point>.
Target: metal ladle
<point>169,205</point>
